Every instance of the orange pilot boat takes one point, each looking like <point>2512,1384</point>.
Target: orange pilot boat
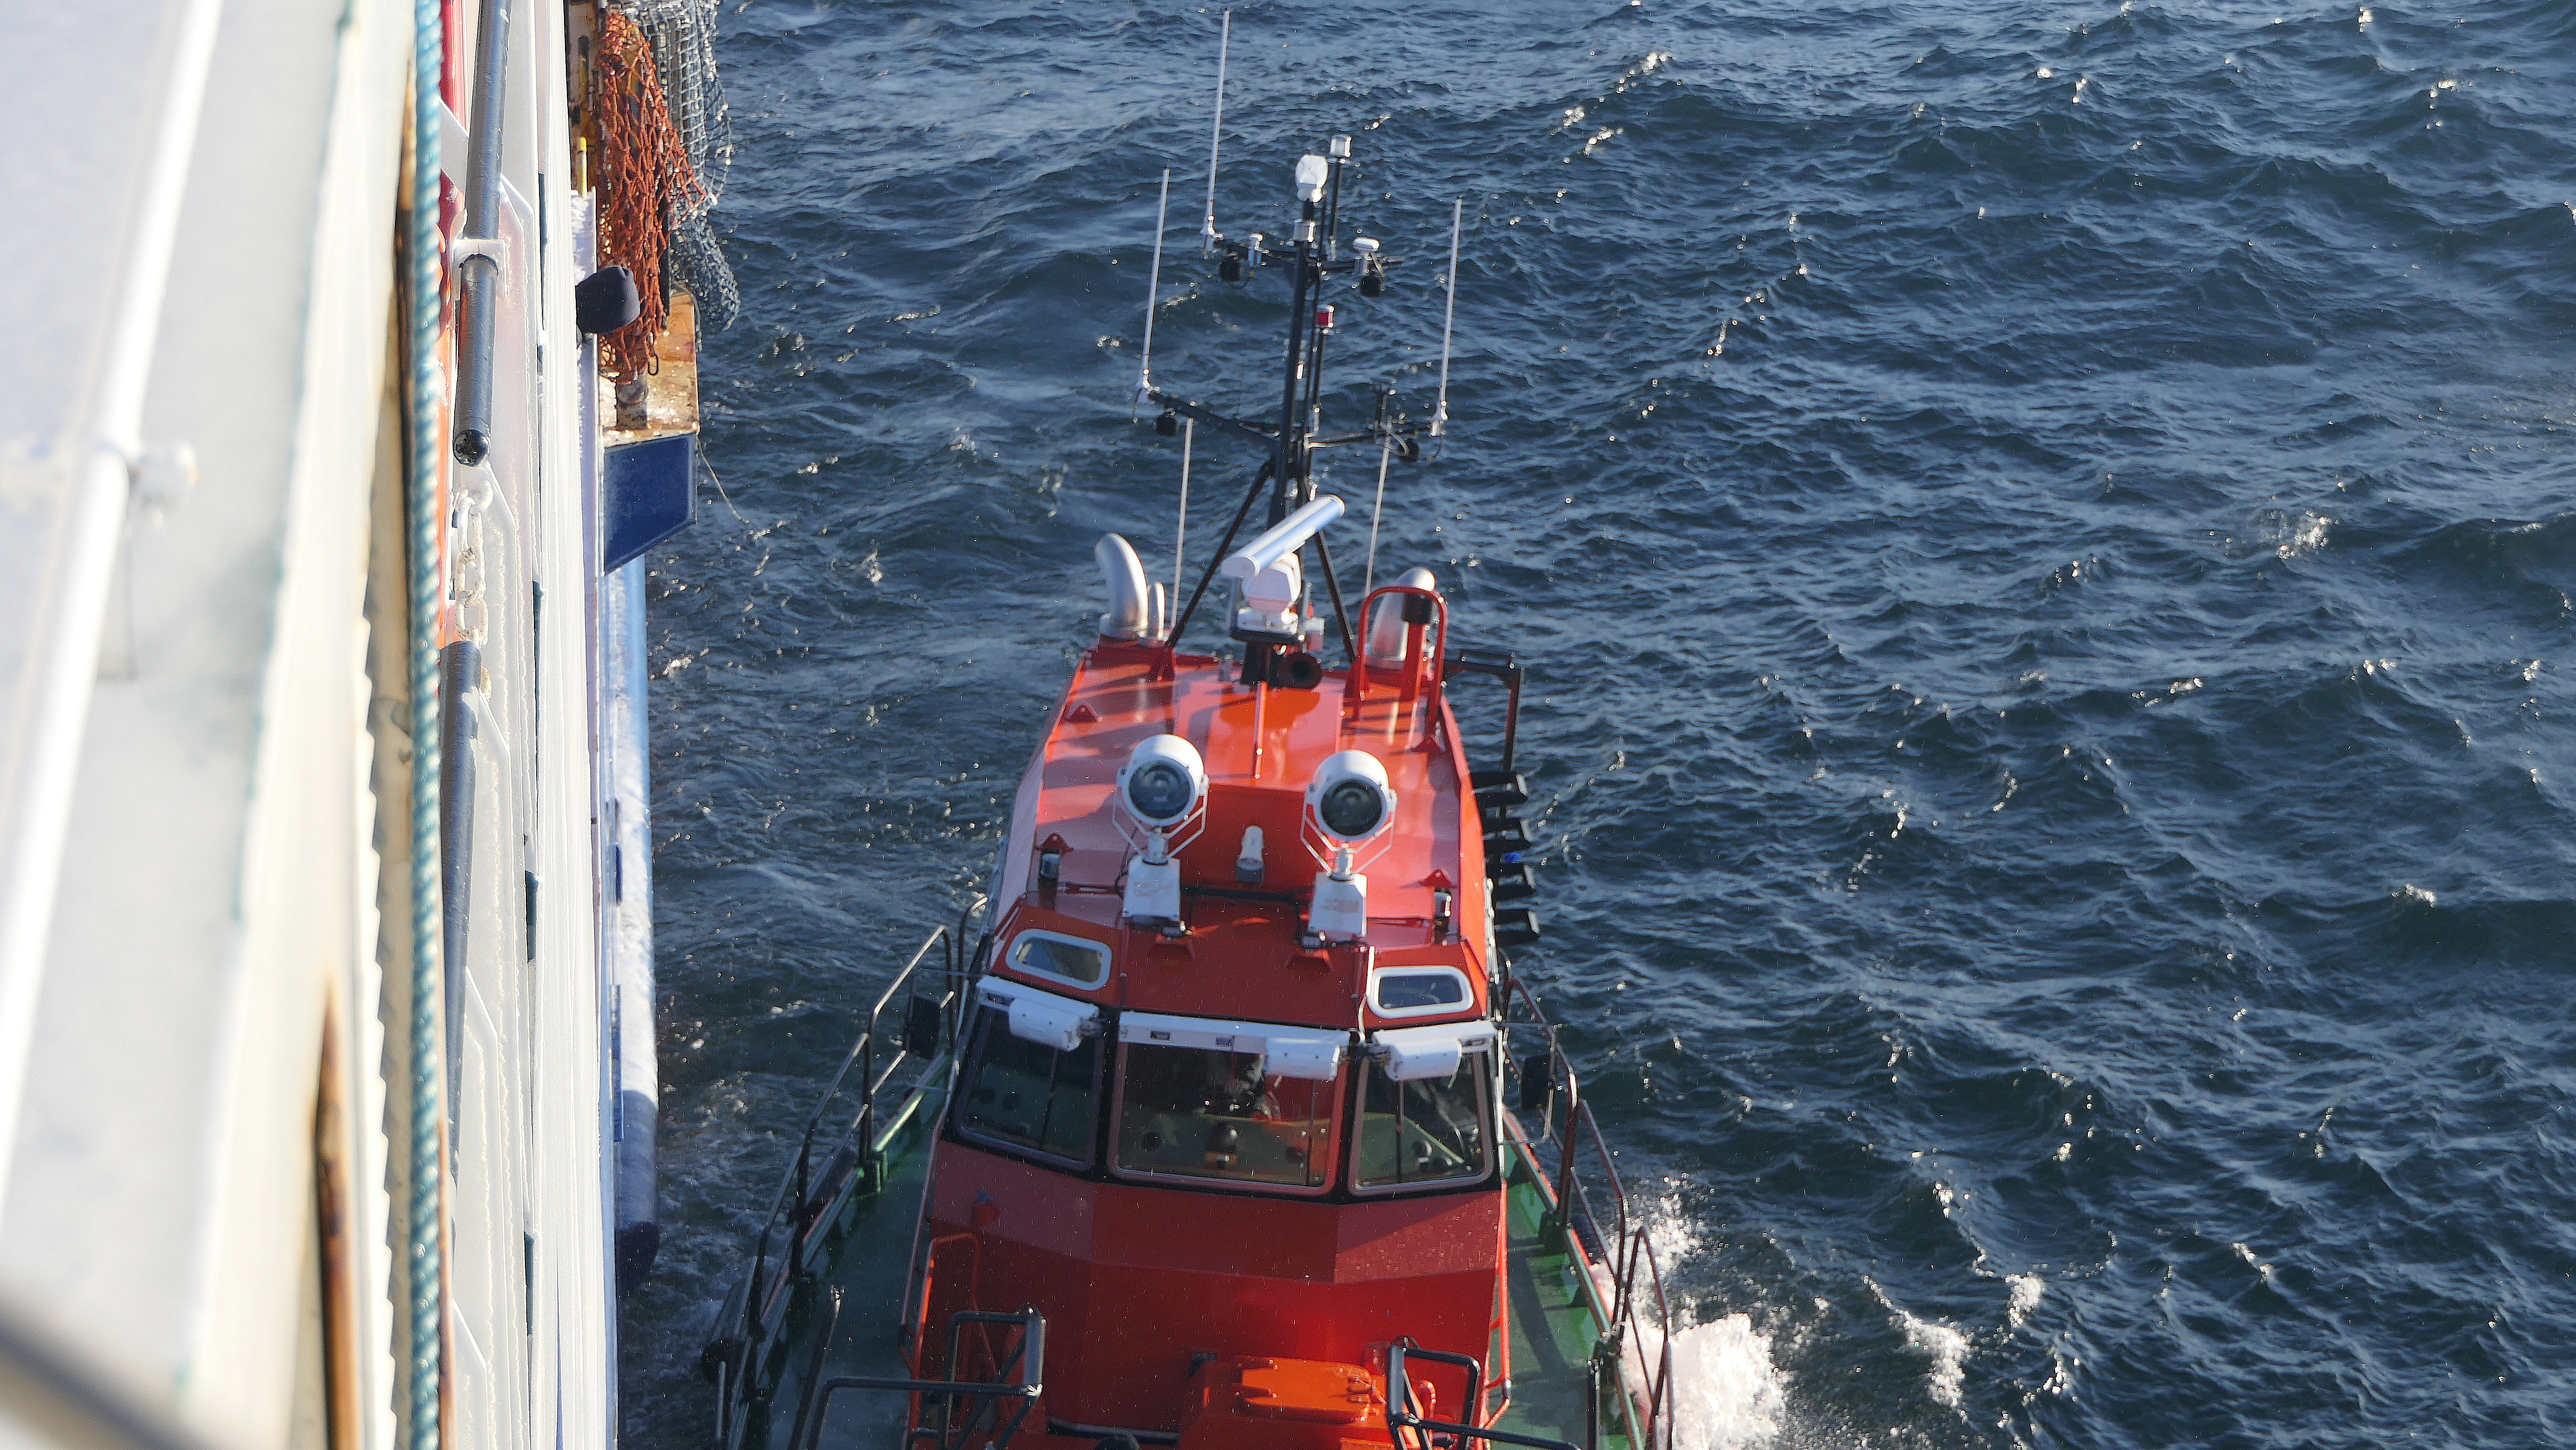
<point>1234,1129</point>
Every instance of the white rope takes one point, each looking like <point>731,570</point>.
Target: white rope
<point>1189,432</point>
<point>1385,451</point>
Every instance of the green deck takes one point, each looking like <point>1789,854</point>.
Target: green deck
<point>864,1264</point>
<point>871,1265</point>
<point>1554,1323</point>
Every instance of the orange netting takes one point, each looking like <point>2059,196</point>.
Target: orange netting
<point>644,178</point>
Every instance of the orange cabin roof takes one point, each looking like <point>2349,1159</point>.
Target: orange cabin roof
<point>1261,745</point>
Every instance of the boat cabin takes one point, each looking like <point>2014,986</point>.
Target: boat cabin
<point>1229,1144</point>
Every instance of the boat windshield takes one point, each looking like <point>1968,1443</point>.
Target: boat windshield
<point>1197,1112</point>
<point>1428,1130</point>
<point>1026,1094</point>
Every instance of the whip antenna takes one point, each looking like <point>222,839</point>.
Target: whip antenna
<point>1377,510</point>
<point>1181,531</point>
<point>1153,294</point>
<point>1448,316</point>
<point>1216,133</point>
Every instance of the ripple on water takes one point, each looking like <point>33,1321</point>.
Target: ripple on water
<point>2047,727</point>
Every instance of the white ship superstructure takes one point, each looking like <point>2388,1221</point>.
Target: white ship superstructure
<point>325,983</point>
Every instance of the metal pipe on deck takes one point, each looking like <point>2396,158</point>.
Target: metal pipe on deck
<point>479,273</point>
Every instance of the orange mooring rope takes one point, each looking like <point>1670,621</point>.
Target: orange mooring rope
<point>644,178</point>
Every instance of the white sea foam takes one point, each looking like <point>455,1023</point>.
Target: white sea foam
<point>2026,1292</point>
<point>2253,1261</point>
<point>1946,1347</point>
<point>2302,533</point>
<point>1670,1229</point>
<point>1727,1395</point>
<point>1726,1391</point>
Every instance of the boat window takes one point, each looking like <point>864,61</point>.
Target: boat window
<point>1424,1130</point>
<point>1068,959</point>
<point>1418,991</point>
<point>1025,1094</point>
<point>1196,1112</point>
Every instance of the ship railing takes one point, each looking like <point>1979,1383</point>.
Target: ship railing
<point>1589,1209</point>
<point>934,1421</point>
<point>1500,667</point>
<point>1411,1431</point>
<point>841,1137</point>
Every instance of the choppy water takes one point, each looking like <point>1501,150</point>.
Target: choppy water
<point>2046,533</point>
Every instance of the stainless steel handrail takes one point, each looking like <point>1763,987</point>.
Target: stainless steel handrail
<point>1399,1401</point>
<point>807,1206</point>
<point>946,1434</point>
<point>1636,1275</point>
<point>45,694</point>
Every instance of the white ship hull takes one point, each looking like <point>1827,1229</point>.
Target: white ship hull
<point>255,1186</point>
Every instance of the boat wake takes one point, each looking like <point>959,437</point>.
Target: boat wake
<point>1726,1391</point>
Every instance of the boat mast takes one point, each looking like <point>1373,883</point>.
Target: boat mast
<point>1313,256</point>
<point>1288,476</point>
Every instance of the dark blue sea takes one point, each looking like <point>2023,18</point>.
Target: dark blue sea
<point>2044,536</point>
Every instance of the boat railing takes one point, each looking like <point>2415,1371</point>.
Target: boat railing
<point>1500,667</point>
<point>1590,1207</point>
<point>934,1419</point>
<point>836,1155</point>
<point>1411,1431</point>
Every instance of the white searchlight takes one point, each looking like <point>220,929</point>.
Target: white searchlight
<point>1162,781</point>
<point>1161,787</point>
<point>1349,803</point>
<point>1267,575</point>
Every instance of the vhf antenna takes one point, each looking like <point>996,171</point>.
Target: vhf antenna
<point>1448,316</point>
<point>1216,134</point>
<point>1312,254</point>
<point>1153,295</point>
